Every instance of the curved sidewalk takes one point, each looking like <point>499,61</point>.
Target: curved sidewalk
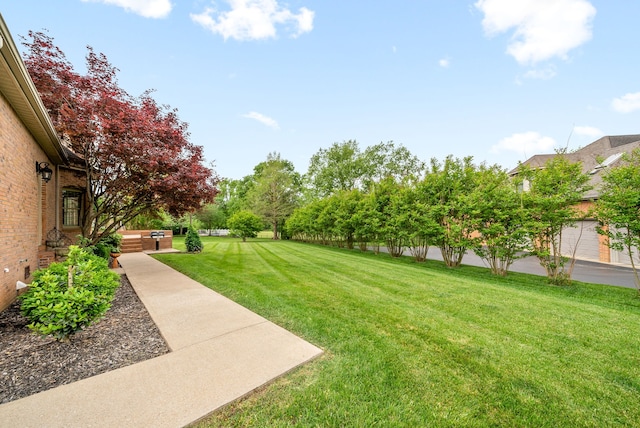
<point>221,351</point>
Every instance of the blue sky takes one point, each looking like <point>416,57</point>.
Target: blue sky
<point>499,80</point>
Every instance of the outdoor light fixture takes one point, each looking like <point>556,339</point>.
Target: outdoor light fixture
<point>44,170</point>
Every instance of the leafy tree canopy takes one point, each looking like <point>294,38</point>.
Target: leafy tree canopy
<point>618,208</point>
<point>275,191</point>
<point>245,224</point>
<point>554,191</point>
<point>343,167</point>
<point>136,153</point>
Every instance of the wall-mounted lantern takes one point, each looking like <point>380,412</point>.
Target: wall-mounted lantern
<point>43,169</point>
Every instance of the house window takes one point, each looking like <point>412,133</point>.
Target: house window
<point>71,201</point>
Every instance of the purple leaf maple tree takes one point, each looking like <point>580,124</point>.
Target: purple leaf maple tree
<point>135,153</point>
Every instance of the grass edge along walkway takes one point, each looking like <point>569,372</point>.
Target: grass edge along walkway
<point>411,344</point>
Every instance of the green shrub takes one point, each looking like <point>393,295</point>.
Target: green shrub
<point>112,242</point>
<point>245,224</point>
<point>104,247</point>
<point>101,250</point>
<point>192,241</point>
<point>59,307</point>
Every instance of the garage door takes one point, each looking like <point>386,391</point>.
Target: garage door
<point>622,257</point>
<point>583,238</point>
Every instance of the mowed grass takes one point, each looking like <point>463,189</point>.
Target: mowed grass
<point>417,344</point>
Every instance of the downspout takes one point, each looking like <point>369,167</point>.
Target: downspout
<point>57,198</point>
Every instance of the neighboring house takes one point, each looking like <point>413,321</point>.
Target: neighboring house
<point>33,212</point>
<point>596,158</point>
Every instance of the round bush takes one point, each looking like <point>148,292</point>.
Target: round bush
<point>66,297</point>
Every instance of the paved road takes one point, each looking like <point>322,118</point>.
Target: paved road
<point>585,271</point>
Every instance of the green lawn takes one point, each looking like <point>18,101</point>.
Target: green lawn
<point>410,344</point>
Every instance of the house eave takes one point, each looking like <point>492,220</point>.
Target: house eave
<point>19,90</point>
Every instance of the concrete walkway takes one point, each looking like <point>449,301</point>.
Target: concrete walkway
<point>220,352</point>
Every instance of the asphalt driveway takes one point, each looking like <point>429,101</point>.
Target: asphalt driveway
<point>585,271</point>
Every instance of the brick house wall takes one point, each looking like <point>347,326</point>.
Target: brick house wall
<point>28,205</point>
<point>23,198</point>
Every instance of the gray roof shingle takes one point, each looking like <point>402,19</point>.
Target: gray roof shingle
<point>592,158</point>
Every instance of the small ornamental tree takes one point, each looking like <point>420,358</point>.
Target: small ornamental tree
<point>135,153</point>
<point>294,225</point>
<point>391,212</point>
<point>500,220</point>
<point>345,216</point>
<point>555,190</point>
<point>245,224</point>
<point>618,209</point>
<point>275,191</point>
<point>327,221</point>
<point>298,225</point>
<point>304,222</point>
<point>192,241</point>
<point>368,223</point>
<point>420,226</point>
<point>443,192</point>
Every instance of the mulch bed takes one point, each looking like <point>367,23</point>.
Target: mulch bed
<point>30,363</point>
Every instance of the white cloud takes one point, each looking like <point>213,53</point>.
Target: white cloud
<point>146,8</point>
<point>543,29</point>
<point>627,103</point>
<point>527,143</point>
<point>265,120</point>
<point>444,62</point>
<point>546,73</point>
<point>588,131</point>
<point>254,20</point>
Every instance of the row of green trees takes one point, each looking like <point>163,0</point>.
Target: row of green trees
<point>275,189</point>
<point>385,195</point>
<point>457,206</point>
